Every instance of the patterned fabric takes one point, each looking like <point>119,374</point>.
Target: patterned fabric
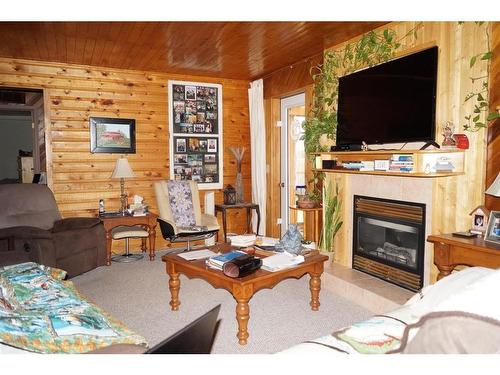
<point>181,203</point>
<point>377,335</point>
<point>41,313</point>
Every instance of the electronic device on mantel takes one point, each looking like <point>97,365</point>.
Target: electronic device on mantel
<point>394,102</point>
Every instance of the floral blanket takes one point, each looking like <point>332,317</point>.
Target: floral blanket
<point>40,312</point>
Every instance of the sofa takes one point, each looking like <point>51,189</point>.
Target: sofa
<point>40,312</point>
<point>32,229</point>
<point>460,314</point>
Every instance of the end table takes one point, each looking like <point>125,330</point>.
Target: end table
<point>249,206</point>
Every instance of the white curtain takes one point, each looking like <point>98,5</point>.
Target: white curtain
<point>258,151</point>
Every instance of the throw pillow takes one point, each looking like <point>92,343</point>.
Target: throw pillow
<point>181,203</point>
<point>452,332</point>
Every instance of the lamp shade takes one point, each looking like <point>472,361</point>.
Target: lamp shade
<point>494,188</point>
<point>122,169</point>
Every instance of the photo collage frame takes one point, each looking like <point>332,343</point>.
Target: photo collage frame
<point>195,114</point>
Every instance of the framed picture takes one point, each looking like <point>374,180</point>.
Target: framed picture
<point>493,231</point>
<point>195,124</point>
<point>112,135</point>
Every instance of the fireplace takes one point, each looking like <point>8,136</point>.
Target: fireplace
<point>389,239</point>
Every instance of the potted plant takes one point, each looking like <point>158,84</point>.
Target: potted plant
<point>332,219</point>
<point>308,200</point>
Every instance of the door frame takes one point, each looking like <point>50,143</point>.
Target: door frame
<point>286,103</point>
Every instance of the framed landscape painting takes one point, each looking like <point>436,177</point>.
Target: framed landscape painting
<point>195,124</point>
<point>112,135</point>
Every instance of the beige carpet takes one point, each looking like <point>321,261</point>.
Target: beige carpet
<point>137,293</point>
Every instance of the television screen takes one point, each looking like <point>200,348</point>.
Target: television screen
<point>389,103</point>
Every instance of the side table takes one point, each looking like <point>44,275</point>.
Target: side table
<point>451,251</point>
<point>148,222</point>
<point>316,222</point>
<point>249,206</point>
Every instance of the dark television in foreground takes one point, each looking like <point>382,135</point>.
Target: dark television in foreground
<point>196,338</point>
<point>391,102</point>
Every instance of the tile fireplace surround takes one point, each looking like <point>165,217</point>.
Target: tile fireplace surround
<point>418,190</point>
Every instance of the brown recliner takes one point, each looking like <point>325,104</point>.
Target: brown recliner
<point>31,229</point>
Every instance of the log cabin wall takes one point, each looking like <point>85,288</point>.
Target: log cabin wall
<point>453,197</point>
<point>73,93</point>
<point>493,161</point>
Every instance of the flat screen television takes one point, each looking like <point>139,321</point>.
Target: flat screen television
<point>392,102</point>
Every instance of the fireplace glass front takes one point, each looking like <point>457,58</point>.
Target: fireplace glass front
<point>393,243</point>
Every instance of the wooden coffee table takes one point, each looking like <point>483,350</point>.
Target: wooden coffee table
<point>243,288</point>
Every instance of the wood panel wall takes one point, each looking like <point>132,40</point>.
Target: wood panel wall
<point>493,161</point>
<point>291,79</point>
<point>453,197</point>
<point>73,93</point>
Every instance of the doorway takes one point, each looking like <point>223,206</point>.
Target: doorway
<point>22,136</point>
<point>292,159</point>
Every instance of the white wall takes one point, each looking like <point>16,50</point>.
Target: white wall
<point>15,133</point>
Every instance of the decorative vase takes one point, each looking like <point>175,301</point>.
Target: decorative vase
<point>238,154</point>
<point>239,186</point>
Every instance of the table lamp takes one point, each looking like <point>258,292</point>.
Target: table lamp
<point>122,171</point>
<point>494,188</point>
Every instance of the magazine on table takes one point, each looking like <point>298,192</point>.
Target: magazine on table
<point>281,261</point>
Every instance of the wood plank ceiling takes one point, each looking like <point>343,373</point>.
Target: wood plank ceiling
<point>237,50</point>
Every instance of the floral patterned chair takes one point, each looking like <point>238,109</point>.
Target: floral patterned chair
<point>181,219</point>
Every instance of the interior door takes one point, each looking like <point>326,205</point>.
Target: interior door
<point>292,158</point>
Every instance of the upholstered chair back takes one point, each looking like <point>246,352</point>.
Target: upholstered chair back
<point>27,205</point>
<point>178,193</point>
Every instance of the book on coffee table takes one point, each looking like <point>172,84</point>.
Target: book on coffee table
<point>218,261</point>
<point>281,261</point>
<point>197,254</point>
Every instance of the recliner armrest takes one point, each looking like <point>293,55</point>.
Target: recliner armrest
<point>167,227</point>
<point>210,221</point>
<point>25,232</point>
<point>73,223</point>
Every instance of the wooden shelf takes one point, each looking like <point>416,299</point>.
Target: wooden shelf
<point>388,152</point>
<point>396,174</point>
<point>422,160</point>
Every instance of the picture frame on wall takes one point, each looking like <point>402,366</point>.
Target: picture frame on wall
<point>493,231</point>
<point>195,124</point>
<point>112,135</point>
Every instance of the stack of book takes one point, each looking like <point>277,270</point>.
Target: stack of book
<point>401,163</point>
<point>218,261</point>
<point>243,240</point>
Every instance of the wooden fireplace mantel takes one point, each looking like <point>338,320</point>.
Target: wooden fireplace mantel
<point>420,158</point>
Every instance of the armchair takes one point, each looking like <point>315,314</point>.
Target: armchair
<point>31,229</point>
<point>181,219</point>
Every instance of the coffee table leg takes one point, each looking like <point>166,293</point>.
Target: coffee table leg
<point>174,285</point>
<point>315,287</point>
<point>242,316</point>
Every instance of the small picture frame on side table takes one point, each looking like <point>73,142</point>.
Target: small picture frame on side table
<point>493,231</point>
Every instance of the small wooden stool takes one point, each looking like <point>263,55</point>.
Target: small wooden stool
<point>125,232</point>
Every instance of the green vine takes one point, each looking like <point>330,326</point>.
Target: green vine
<point>371,49</point>
<point>481,115</point>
